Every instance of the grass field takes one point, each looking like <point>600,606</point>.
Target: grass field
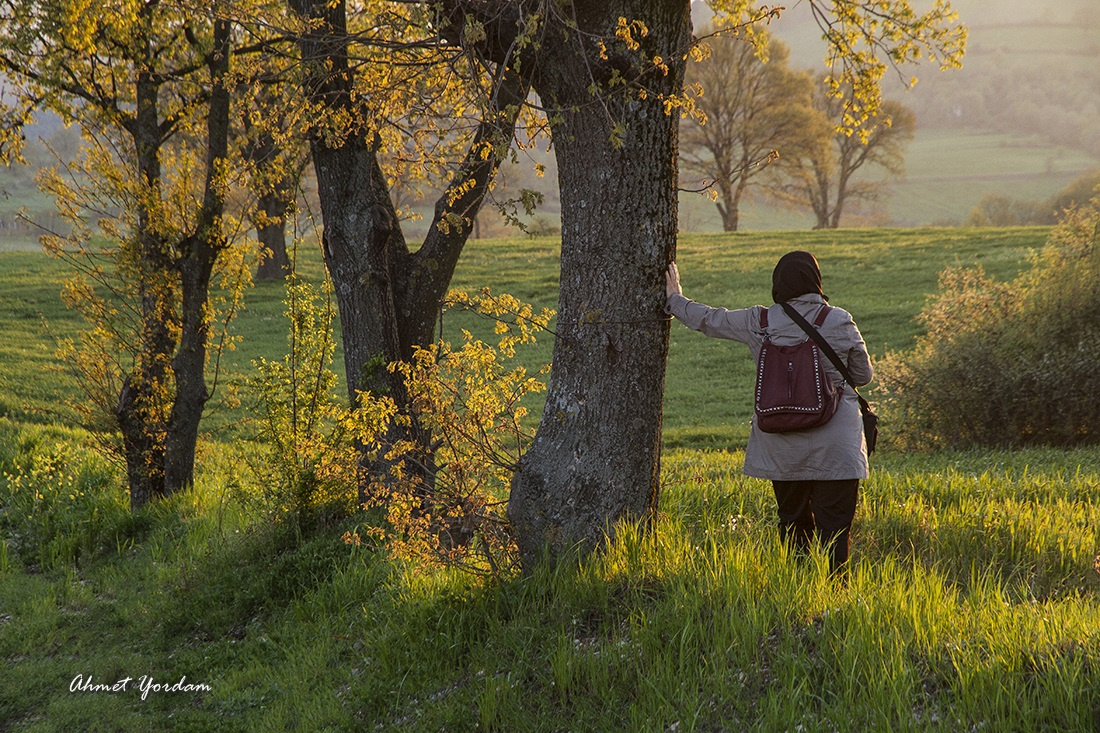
<point>881,275</point>
<point>973,602</point>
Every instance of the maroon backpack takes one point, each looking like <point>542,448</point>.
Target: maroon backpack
<point>793,392</point>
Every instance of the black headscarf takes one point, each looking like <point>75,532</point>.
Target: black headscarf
<point>796,273</point>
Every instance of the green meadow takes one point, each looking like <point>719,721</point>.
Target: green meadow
<point>880,275</point>
<point>973,601</point>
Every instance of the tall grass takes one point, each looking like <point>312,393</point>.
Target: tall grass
<point>972,604</point>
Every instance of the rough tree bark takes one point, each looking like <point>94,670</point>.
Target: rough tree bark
<point>595,458</point>
<point>140,422</point>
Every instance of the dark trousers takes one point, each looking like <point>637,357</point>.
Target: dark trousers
<point>824,509</point>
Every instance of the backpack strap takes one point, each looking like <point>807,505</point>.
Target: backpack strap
<point>819,321</point>
<point>828,350</point>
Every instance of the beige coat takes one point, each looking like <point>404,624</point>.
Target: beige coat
<point>837,449</point>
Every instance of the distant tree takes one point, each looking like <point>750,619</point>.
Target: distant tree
<point>276,160</point>
<point>275,187</point>
<point>757,113</point>
<point>823,177</point>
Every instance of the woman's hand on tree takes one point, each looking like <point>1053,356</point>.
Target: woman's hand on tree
<point>672,281</point>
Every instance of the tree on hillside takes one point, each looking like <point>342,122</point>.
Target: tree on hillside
<point>823,176</point>
<point>758,115</point>
<point>149,86</point>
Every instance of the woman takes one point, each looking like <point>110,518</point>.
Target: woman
<point>815,472</point>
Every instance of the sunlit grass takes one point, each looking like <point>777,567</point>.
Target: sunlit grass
<point>972,603</point>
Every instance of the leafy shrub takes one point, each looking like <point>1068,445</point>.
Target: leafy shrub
<point>305,468</point>
<point>1007,363</point>
<point>445,507</point>
<point>472,403</point>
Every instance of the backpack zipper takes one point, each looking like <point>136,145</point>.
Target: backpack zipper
<point>790,380</point>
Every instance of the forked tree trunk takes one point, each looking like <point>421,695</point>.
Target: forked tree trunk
<point>158,414</point>
<point>596,456</point>
<point>388,297</point>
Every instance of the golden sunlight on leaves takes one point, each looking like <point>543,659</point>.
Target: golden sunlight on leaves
<point>630,31</point>
<point>448,507</point>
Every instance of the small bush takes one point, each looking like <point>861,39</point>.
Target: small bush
<point>471,401</point>
<point>1007,363</point>
<point>306,466</point>
<point>444,505</point>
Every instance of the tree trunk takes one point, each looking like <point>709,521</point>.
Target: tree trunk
<point>275,174</point>
<point>142,444</point>
<point>361,242</point>
<point>388,297</point>
<point>728,206</point>
<point>199,254</point>
<point>140,405</point>
<point>272,234</point>
<point>820,196</point>
<point>841,192</point>
<point>189,368</point>
<point>596,456</point>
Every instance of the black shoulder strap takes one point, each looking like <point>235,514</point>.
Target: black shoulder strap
<point>817,321</point>
<point>825,349</point>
